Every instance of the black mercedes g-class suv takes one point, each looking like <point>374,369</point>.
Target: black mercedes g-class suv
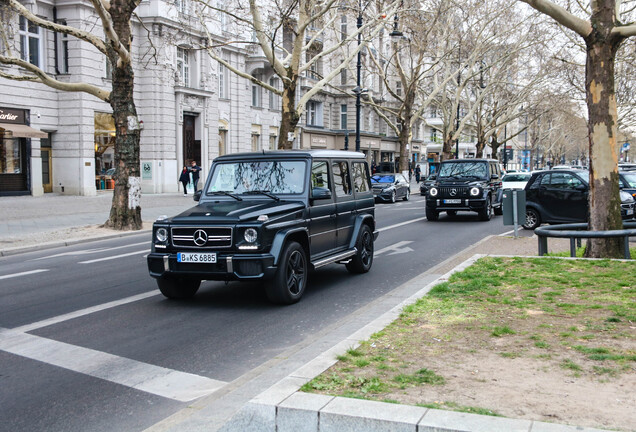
<point>273,216</point>
<point>466,185</point>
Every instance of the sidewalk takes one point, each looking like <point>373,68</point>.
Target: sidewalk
<point>29,223</point>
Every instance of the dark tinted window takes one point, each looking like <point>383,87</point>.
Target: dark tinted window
<point>564,181</point>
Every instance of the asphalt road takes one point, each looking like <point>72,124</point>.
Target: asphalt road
<point>87,342</point>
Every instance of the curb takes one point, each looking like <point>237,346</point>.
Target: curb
<point>284,408</point>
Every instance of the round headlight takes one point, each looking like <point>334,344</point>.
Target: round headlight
<point>474,191</point>
<point>250,235</point>
<point>432,191</point>
<point>161,235</point>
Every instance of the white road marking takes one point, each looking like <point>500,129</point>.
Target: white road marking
<point>401,224</point>
<point>397,248</point>
<point>23,273</point>
<point>160,381</point>
<point>91,251</point>
<point>113,257</point>
<point>71,315</point>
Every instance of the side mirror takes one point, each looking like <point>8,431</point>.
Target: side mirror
<point>494,176</point>
<point>318,193</point>
<point>433,177</point>
<point>197,195</point>
<point>580,187</point>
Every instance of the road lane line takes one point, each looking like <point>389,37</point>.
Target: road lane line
<point>395,248</point>
<point>90,251</point>
<point>114,257</point>
<point>401,224</point>
<point>23,273</point>
<point>71,315</point>
<point>157,380</point>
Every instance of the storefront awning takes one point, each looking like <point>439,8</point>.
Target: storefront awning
<point>22,131</point>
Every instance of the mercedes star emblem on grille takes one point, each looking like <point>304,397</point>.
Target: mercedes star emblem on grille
<point>453,192</point>
<point>200,237</point>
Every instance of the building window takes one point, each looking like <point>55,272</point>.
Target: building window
<point>343,116</point>
<point>274,99</point>
<point>182,6</point>
<point>314,113</point>
<point>30,43</point>
<point>222,16</point>
<point>256,93</point>
<point>343,77</point>
<point>343,28</point>
<point>183,66</point>
<point>398,88</point>
<point>224,92</point>
<point>62,51</point>
<point>256,142</point>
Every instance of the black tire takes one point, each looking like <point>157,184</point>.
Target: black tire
<point>288,284</point>
<point>451,213</point>
<point>178,288</point>
<point>432,215</point>
<point>486,213</point>
<point>362,261</point>
<point>393,197</point>
<point>407,195</point>
<point>533,219</point>
<point>499,210</point>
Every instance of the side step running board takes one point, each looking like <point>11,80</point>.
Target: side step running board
<point>334,258</point>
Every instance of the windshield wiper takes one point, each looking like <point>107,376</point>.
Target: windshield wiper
<point>226,193</point>
<point>262,192</point>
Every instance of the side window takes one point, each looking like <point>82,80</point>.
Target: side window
<point>319,175</point>
<point>341,180</point>
<point>360,177</point>
<point>561,180</point>
<point>545,180</point>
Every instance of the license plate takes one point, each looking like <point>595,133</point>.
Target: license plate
<point>192,257</point>
<point>630,212</point>
<point>452,201</point>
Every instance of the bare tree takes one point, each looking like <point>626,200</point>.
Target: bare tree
<point>603,35</point>
<point>115,42</point>
<point>294,37</point>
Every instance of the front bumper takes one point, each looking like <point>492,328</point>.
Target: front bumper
<point>464,204</point>
<point>383,196</point>
<point>227,267</point>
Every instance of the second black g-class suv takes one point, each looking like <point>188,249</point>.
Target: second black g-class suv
<point>270,216</point>
<point>466,185</point>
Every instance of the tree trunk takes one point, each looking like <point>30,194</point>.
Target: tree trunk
<point>403,140</point>
<point>447,149</point>
<point>125,213</point>
<point>601,103</point>
<point>289,116</point>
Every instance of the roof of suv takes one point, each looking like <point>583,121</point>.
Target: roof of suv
<point>293,154</point>
<point>470,160</point>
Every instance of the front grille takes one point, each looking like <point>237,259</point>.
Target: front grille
<point>460,192</point>
<point>202,237</point>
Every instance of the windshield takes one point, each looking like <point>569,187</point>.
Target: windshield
<point>630,179</point>
<point>516,177</point>
<point>464,169</point>
<point>382,179</point>
<point>277,177</point>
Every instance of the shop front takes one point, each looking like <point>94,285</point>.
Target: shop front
<point>15,151</point>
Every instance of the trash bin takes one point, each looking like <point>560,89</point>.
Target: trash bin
<point>101,184</point>
<point>510,196</point>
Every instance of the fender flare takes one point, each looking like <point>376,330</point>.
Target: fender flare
<point>281,238</point>
<point>360,220</point>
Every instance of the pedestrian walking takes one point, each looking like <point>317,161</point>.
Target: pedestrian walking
<point>418,173</point>
<point>195,169</point>
<point>184,178</point>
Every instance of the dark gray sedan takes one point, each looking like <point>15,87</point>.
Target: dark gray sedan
<point>389,187</point>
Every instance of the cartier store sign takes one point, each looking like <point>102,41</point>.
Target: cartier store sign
<point>9,115</point>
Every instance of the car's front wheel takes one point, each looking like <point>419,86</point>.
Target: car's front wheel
<point>485,214</point>
<point>533,219</point>
<point>432,215</point>
<point>393,196</point>
<point>407,195</point>
<point>290,279</point>
<point>178,287</point>
<point>362,261</point>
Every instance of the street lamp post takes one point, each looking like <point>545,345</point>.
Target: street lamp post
<point>358,89</point>
<point>459,80</point>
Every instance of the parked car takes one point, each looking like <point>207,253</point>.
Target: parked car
<point>627,182</point>
<point>466,185</point>
<point>561,196</point>
<point>626,166</point>
<point>269,216</point>
<point>390,187</point>
<point>426,184</point>
<point>516,180</point>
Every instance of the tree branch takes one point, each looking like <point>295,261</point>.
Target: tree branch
<point>562,16</point>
